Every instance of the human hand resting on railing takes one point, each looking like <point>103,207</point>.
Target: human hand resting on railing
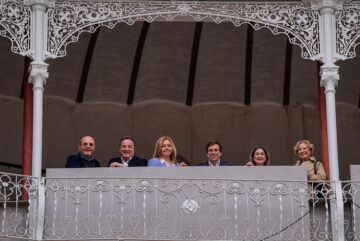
<point>116,164</point>
<point>182,164</point>
<point>249,164</point>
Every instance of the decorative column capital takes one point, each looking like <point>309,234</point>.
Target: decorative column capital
<point>46,3</point>
<point>329,77</point>
<point>38,73</point>
<point>321,4</point>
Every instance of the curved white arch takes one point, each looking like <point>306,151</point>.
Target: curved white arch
<point>68,19</point>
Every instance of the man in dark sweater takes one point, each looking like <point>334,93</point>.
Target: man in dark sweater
<point>127,157</point>
<point>85,156</point>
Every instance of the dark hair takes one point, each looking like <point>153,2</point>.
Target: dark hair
<point>126,138</point>
<point>267,155</point>
<point>213,142</point>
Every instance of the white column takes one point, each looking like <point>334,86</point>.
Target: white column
<point>329,79</point>
<point>38,75</point>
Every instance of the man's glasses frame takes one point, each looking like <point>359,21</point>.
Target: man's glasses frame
<point>87,144</point>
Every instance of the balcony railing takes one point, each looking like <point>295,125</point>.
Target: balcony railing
<point>173,208</point>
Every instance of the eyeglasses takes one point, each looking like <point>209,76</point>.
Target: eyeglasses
<point>87,144</point>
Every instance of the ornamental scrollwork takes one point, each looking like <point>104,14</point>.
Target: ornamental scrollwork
<point>347,31</point>
<point>15,25</point>
<point>70,18</point>
<point>174,208</point>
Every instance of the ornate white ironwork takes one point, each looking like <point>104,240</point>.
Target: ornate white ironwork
<point>329,74</point>
<point>351,196</point>
<point>15,25</point>
<point>38,72</point>
<point>185,209</point>
<point>190,206</point>
<point>347,30</point>
<point>176,209</point>
<point>70,18</point>
<point>16,195</point>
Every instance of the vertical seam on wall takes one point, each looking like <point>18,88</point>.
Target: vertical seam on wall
<point>86,66</point>
<point>287,73</point>
<point>193,63</point>
<point>136,63</point>
<point>248,64</point>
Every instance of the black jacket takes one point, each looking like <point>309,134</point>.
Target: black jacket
<point>134,162</point>
<point>76,161</point>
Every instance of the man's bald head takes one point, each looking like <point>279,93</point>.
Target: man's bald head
<point>87,147</point>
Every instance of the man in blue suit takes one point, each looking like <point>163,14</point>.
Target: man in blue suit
<point>127,157</point>
<point>85,156</point>
<point>214,152</point>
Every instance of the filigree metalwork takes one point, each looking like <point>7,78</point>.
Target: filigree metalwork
<point>190,206</point>
<point>351,196</point>
<point>16,194</point>
<point>347,30</point>
<point>176,209</point>
<point>70,18</point>
<point>15,25</point>
<point>179,209</point>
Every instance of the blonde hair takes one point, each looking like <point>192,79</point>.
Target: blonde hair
<point>158,146</point>
<point>308,143</point>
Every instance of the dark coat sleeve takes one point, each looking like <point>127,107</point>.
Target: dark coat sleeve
<point>117,159</point>
<point>97,164</point>
<point>73,162</point>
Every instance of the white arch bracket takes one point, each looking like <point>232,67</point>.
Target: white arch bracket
<point>15,25</point>
<point>347,30</point>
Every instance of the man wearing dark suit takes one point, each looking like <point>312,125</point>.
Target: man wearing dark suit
<point>214,152</point>
<point>127,157</point>
<point>85,156</point>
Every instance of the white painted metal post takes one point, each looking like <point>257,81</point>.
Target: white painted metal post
<point>38,75</point>
<point>329,79</point>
